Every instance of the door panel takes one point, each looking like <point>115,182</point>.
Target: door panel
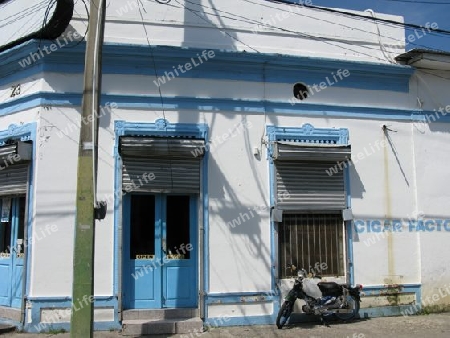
<point>5,254</point>
<point>179,272</point>
<point>19,245</point>
<point>159,252</point>
<point>144,236</point>
<point>12,230</point>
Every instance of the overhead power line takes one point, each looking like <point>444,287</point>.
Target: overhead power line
<point>355,15</point>
<point>421,2</point>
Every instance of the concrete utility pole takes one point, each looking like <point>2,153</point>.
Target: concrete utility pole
<point>83,256</point>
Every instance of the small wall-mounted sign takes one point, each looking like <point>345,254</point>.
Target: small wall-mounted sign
<point>6,209</point>
<point>145,256</point>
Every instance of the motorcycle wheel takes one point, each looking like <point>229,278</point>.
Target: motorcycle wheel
<point>284,314</point>
<point>353,304</point>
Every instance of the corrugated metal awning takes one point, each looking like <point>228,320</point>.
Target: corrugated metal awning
<point>296,151</point>
<point>16,152</point>
<point>139,146</point>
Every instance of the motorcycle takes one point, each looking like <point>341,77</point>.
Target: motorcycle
<point>340,300</point>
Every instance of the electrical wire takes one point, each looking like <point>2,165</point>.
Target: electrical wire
<point>355,15</point>
<point>159,87</point>
<point>87,25</point>
<point>223,31</point>
<point>321,39</point>
<point>252,21</point>
<point>23,27</point>
<point>421,2</point>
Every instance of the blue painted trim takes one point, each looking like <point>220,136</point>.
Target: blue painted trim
<point>161,127</point>
<point>241,297</point>
<point>118,242</point>
<point>383,311</point>
<point>205,225</point>
<point>25,132</point>
<point>349,228</point>
<point>308,134</point>
<point>225,65</point>
<point>240,321</point>
<point>221,105</point>
<point>380,290</point>
<point>385,290</point>
<point>39,303</point>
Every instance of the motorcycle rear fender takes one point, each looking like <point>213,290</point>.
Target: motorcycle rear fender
<point>355,292</point>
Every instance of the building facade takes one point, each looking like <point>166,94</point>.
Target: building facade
<point>231,145</point>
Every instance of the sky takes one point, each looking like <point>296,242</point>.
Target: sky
<point>414,11</point>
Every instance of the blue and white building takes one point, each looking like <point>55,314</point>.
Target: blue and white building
<point>236,137</point>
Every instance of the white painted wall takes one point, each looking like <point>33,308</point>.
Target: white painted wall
<point>233,25</point>
<point>239,256</point>
<point>394,182</point>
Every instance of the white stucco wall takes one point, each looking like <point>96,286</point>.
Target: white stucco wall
<point>233,25</point>
<point>386,183</point>
<point>398,181</point>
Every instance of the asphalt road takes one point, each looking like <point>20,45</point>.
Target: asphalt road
<point>434,325</point>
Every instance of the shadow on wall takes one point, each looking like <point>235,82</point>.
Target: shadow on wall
<point>356,185</point>
<point>238,224</point>
<point>194,14</point>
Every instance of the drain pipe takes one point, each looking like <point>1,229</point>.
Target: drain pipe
<point>203,241</point>
<point>26,249</point>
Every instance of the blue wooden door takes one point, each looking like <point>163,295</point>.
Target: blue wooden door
<point>12,249</point>
<point>160,251</point>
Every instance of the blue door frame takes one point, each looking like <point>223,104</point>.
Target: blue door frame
<point>12,253</point>
<point>159,279</point>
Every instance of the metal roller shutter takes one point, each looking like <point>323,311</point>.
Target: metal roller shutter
<point>305,185</point>
<point>14,179</point>
<point>160,165</point>
<point>311,151</point>
<point>302,175</point>
<point>160,147</point>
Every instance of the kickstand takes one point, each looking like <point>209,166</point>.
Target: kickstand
<point>323,321</point>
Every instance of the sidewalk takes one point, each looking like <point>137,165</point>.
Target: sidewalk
<point>435,325</point>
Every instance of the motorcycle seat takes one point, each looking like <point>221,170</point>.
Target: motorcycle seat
<point>330,288</point>
<point>328,285</point>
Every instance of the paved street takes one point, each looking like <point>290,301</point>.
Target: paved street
<point>435,325</point>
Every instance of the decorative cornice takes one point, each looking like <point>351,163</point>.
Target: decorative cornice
<point>161,127</point>
<point>23,132</point>
<point>225,65</point>
<point>224,105</point>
